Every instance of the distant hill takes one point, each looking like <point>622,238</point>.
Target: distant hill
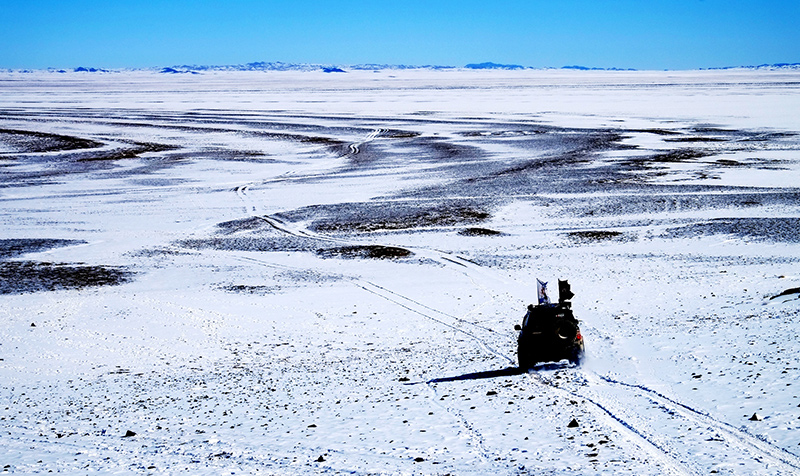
<point>336,68</point>
<point>490,65</point>
<point>789,66</point>
<point>281,66</point>
<point>586,68</point>
<point>81,69</point>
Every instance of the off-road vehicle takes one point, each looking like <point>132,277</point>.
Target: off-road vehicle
<point>549,332</point>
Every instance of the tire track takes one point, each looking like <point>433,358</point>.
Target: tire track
<point>616,418</point>
<point>241,192</point>
<point>355,147</point>
<point>426,311</point>
<point>687,440</point>
<point>667,457</point>
<point>442,318</point>
<point>738,436</point>
<point>474,435</point>
<point>594,389</point>
<point>463,265</point>
<point>627,414</point>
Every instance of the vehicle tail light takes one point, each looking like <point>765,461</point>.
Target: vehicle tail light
<point>579,336</point>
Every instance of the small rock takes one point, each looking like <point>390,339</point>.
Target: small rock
<point>756,417</point>
<point>419,460</point>
<point>403,379</point>
<point>490,393</point>
<point>573,424</point>
<point>320,459</point>
<point>33,324</point>
<point>129,433</point>
<point>312,426</point>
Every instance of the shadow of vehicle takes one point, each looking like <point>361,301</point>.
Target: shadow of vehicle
<point>506,372</point>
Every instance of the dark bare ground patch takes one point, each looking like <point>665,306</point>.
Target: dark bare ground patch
<point>367,251</point>
<point>660,132</point>
<point>30,141</point>
<point>20,277</point>
<point>399,134</point>
<point>781,230</point>
<point>245,243</point>
<point>672,156</point>
<point>715,130</point>
<point>157,253</point>
<point>595,235</point>
<point>242,224</point>
<point>477,231</point>
<point>767,136</point>
<point>371,219</point>
<point>730,163</point>
<point>758,163</point>
<point>696,139</point>
<point>250,289</point>
<point>121,154</point>
<point>10,248</point>
<point>665,200</point>
<point>504,133</point>
<point>680,155</point>
<point>787,292</point>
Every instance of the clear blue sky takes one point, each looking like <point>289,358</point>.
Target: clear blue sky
<point>642,34</point>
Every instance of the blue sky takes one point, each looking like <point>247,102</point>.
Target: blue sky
<point>642,34</point>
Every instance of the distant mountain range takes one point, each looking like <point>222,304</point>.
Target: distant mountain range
<point>333,68</point>
<point>281,66</point>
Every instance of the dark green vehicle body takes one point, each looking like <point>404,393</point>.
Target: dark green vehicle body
<point>549,333</point>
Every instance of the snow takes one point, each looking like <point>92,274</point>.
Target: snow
<point>252,335</point>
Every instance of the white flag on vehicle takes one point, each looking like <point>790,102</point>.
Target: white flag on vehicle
<point>542,292</point>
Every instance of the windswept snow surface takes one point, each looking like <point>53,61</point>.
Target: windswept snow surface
<point>293,272</point>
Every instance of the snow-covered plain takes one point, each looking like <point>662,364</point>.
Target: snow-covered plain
<point>294,272</point>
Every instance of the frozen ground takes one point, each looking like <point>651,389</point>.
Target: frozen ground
<point>292,273</point>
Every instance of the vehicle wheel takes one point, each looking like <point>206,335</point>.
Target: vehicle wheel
<point>565,330</point>
<point>525,359</point>
<point>576,357</point>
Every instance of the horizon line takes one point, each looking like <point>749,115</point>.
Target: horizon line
<point>338,67</point>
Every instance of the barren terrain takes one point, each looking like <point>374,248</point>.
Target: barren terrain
<point>300,272</point>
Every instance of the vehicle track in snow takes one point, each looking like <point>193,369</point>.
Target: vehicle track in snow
<point>458,263</point>
<point>667,459</point>
<point>760,448</point>
<point>659,453</point>
<point>481,335</point>
<point>655,410</point>
<point>656,451</point>
<point>475,331</point>
<point>355,147</point>
<point>648,419</point>
<point>647,415</point>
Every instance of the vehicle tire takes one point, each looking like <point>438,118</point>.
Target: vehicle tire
<point>577,357</point>
<point>524,360</point>
<point>525,357</point>
<point>564,330</point>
